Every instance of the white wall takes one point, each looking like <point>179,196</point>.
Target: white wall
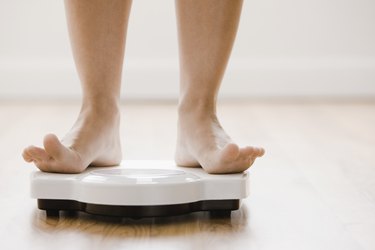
<point>283,48</point>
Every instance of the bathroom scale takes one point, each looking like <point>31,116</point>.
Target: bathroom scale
<point>139,189</point>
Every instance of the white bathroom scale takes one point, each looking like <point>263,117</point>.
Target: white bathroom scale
<point>139,189</point>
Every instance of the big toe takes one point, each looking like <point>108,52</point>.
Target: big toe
<point>53,146</point>
<point>230,152</point>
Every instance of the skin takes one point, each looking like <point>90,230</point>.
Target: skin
<point>206,33</point>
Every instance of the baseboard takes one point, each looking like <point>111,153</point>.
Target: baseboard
<point>158,79</point>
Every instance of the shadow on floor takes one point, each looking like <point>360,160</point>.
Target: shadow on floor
<point>114,227</point>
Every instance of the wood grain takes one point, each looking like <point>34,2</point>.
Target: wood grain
<point>314,189</point>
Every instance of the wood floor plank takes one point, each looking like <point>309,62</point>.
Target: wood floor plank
<point>314,189</point>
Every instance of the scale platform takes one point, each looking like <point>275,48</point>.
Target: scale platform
<point>139,189</point>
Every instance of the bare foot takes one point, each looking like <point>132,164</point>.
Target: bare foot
<point>203,142</point>
<point>93,140</point>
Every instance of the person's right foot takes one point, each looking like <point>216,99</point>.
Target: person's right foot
<point>94,140</point>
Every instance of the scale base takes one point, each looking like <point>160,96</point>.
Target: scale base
<point>217,208</point>
<point>139,189</point>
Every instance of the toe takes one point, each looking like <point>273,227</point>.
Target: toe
<point>246,152</point>
<point>53,146</point>
<point>62,159</point>
<point>26,155</point>
<point>251,152</point>
<point>259,152</point>
<point>36,153</point>
<point>39,156</point>
<point>230,152</point>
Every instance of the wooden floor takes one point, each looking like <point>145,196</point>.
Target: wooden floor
<point>314,189</point>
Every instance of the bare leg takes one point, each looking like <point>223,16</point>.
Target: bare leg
<point>98,32</point>
<point>206,29</point>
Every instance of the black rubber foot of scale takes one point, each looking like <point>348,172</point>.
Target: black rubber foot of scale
<point>217,208</point>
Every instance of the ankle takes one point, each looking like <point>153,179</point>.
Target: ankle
<point>105,108</point>
<point>199,107</point>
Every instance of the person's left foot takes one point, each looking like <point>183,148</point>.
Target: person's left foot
<point>201,141</point>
